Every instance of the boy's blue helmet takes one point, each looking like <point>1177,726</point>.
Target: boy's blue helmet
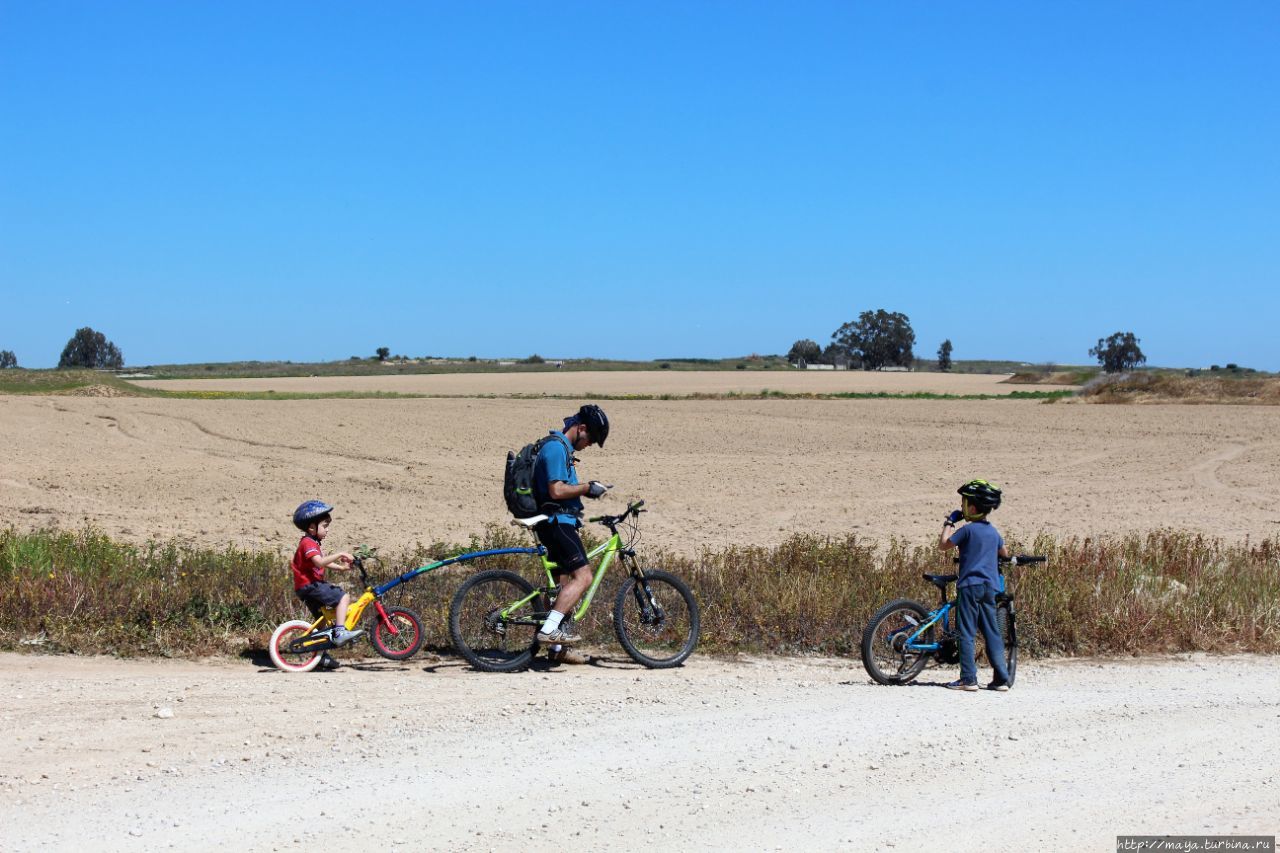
<point>308,512</point>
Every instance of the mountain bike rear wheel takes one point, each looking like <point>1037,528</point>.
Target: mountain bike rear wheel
<point>1007,623</point>
<point>279,651</point>
<point>405,641</point>
<point>489,640</point>
<point>656,620</point>
<point>884,652</point>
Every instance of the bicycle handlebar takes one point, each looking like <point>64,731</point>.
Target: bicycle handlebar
<point>611,520</point>
<point>1016,559</point>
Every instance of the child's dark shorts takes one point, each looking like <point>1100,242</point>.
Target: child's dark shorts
<point>320,594</point>
<point>563,544</point>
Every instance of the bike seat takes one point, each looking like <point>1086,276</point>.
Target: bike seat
<point>940,580</point>
<point>529,523</point>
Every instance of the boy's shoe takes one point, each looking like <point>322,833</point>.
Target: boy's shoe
<point>558,636</point>
<point>341,636</point>
<point>999,686</point>
<point>568,656</point>
<point>967,686</point>
<point>327,662</point>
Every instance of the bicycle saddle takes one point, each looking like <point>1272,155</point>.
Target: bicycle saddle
<point>529,523</point>
<point>940,580</point>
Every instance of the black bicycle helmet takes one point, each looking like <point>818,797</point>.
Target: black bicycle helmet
<point>596,422</point>
<point>983,495</point>
<point>308,512</point>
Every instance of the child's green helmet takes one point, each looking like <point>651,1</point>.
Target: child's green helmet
<point>983,495</point>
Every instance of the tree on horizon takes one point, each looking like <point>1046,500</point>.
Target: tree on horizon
<point>877,339</point>
<point>806,351</point>
<point>1118,353</point>
<point>944,356</point>
<point>91,349</point>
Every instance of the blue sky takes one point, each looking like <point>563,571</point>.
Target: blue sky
<point>311,180</point>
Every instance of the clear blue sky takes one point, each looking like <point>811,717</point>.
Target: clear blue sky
<point>209,181</point>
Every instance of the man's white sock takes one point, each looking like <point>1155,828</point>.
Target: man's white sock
<point>553,621</point>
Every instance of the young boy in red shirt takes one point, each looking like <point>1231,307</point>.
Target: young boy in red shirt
<point>309,564</point>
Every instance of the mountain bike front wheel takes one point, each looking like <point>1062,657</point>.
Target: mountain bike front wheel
<point>404,641</point>
<point>285,659</point>
<point>656,620</point>
<point>487,629</point>
<point>884,642</point>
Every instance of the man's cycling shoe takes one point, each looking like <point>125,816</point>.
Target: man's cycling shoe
<point>558,636</point>
<point>967,686</point>
<point>327,662</point>
<point>568,656</point>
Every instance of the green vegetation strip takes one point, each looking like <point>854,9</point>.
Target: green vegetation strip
<point>1166,591</point>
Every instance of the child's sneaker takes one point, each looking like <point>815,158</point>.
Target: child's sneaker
<point>967,686</point>
<point>341,636</point>
<point>999,686</point>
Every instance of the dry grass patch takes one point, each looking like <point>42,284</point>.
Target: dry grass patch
<point>1166,388</point>
<point>1165,591</point>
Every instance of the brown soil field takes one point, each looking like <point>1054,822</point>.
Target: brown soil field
<point>713,471</point>
<point>613,383</point>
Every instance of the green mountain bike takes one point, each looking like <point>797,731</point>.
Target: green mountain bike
<point>495,614</point>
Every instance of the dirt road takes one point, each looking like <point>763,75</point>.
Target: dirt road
<point>790,754</point>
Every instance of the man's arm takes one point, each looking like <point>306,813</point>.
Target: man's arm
<point>559,490</point>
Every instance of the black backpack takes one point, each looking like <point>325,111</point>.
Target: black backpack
<point>517,482</point>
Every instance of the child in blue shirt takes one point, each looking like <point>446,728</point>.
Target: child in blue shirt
<point>978,581</point>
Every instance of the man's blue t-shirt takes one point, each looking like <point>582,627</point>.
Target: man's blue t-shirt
<point>553,464</point>
<point>980,545</point>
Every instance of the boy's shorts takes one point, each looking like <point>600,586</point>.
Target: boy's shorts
<point>563,544</point>
<point>319,594</point>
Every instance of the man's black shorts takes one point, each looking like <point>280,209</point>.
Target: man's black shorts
<point>320,594</point>
<point>563,544</point>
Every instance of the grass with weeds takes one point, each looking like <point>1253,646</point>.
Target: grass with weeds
<point>1166,591</point>
<point>1166,387</point>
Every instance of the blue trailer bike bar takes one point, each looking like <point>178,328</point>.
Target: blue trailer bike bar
<point>461,558</point>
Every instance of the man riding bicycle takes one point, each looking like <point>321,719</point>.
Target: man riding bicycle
<point>559,496</point>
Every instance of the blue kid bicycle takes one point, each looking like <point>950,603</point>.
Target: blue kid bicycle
<point>902,637</point>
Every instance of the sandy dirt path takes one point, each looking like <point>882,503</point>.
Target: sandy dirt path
<point>714,472</point>
<point>776,754</point>
<point>651,382</point>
